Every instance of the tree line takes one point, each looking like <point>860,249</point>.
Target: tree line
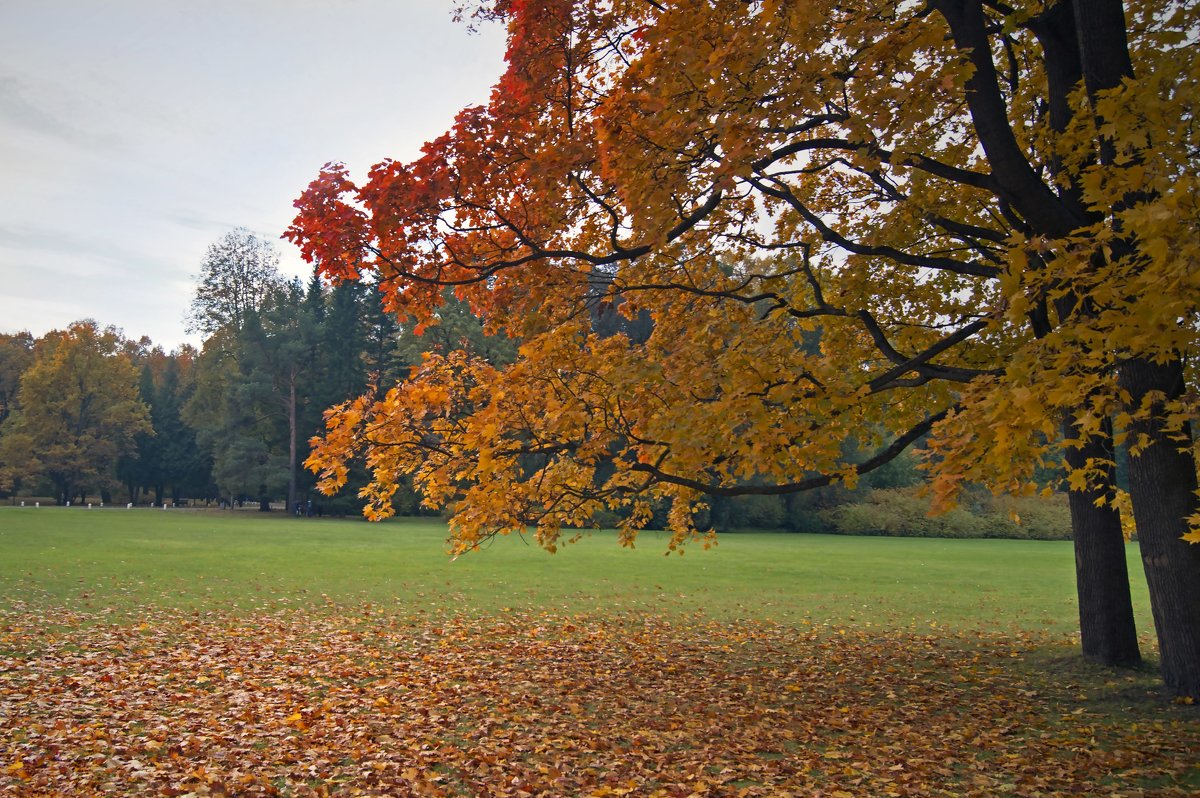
<point>88,412</point>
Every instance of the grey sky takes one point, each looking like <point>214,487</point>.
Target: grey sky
<point>134,133</point>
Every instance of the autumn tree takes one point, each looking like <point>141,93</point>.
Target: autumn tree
<point>978,203</point>
<point>78,411</point>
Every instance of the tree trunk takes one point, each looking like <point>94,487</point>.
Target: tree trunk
<point>1162,484</point>
<point>1107,631</point>
<point>291,486</point>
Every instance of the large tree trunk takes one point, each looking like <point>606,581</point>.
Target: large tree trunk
<point>1162,478</point>
<point>1108,634</point>
<point>1162,484</point>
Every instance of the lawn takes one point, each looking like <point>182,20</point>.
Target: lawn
<point>126,560</point>
<point>196,653</point>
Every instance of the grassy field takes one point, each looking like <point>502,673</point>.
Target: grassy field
<point>127,560</point>
<point>151,652</point>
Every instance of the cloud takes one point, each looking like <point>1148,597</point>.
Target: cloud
<point>103,255</point>
<point>134,133</point>
<point>48,110</point>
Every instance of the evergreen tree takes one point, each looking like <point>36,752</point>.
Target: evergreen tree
<point>458,328</point>
<point>382,362</point>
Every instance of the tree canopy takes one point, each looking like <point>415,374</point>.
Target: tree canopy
<point>235,279</point>
<point>935,186</point>
<point>976,205</point>
<point>78,412</point>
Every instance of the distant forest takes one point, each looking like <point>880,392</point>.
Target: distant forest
<point>86,413</point>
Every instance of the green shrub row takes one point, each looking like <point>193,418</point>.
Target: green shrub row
<point>902,512</point>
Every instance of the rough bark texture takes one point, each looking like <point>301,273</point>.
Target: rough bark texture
<point>1162,484</point>
<point>1108,634</point>
<point>1103,43</point>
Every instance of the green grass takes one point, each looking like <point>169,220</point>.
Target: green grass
<point>121,561</point>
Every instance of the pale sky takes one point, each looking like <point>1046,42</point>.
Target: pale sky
<point>134,133</point>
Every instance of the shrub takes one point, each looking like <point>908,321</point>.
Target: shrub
<point>901,512</point>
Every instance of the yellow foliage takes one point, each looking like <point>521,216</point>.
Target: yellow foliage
<point>801,200</point>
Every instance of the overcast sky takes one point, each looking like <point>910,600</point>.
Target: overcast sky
<point>134,133</point>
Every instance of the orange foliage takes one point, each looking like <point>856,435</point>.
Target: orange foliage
<point>756,178</point>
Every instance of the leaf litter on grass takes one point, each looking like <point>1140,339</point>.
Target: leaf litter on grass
<point>353,701</point>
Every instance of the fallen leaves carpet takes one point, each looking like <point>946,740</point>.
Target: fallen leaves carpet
<point>358,702</point>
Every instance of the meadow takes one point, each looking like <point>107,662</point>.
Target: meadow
<point>124,561</point>
<point>197,652</point>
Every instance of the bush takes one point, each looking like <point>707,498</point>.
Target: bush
<point>1039,518</point>
<point>901,512</point>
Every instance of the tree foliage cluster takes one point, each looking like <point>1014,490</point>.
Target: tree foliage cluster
<point>74,410</point>
<point>986,209</point>
<point>223,418</point>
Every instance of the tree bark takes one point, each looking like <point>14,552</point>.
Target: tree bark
<point>291,486</point>
<point>1107,631</point>
<point>1081,40</point>
<point>1162,485</point>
